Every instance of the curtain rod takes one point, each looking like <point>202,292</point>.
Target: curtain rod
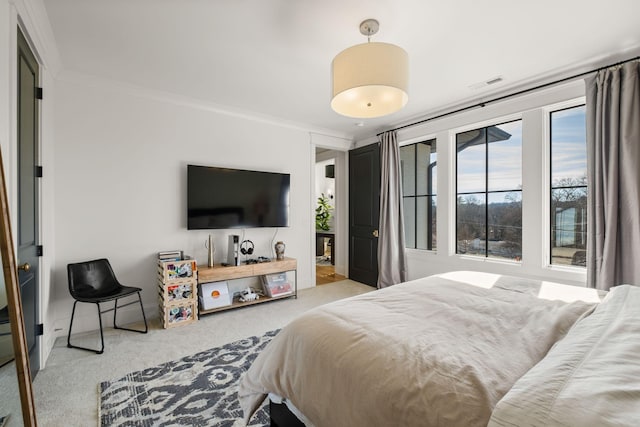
<point>500,98</point>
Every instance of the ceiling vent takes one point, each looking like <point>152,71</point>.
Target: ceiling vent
<point>486,83</point>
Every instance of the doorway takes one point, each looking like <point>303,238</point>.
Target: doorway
<point>364,213</point>
<point>326,209</point>
<point>28,197</point>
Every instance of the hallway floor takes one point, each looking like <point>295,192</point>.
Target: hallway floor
<point>327,274</point>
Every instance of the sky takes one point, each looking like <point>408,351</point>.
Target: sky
<point>568,155</point>
<point>505,163</point>
<point>569,151</point>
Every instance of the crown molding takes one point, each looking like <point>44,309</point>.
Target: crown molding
<point>34,21</point>
<point>89,80</point>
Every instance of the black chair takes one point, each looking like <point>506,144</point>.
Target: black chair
<point>94,282</point>
<point>4,319</point>
<point>4,323</point>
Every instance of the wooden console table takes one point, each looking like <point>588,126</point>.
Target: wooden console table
<point>217,274</point>
<point>320,236</point>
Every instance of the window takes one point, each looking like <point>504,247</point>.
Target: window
<point>568,216</point>
<point>418,166</point>
<point>489,191</point>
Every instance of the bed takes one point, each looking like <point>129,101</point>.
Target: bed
<point>457,349</point>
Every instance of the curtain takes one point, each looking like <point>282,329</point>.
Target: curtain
<point>392,262</point>
<point>613,156</point>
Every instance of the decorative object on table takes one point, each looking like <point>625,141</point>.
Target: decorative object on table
<point>248,295</point>
<point>280,247</point>
<point>171,391</point>
<point>211,250</point>
<point>177,286</point>
<point>323,213</point>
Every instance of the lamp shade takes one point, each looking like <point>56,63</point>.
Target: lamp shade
<point>370,80</point>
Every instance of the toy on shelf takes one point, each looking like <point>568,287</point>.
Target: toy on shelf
<point>249,295</point>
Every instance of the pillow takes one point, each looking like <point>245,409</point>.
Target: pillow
<point>589,378</point>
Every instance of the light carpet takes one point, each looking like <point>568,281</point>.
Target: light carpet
<point>198,390</point>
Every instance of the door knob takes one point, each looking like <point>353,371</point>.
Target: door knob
<point>375,233</point>
<point>25,267</point>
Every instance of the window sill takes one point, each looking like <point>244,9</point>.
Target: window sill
<point>487,259</point>
<point>413,251</point>
<point>567,269</point>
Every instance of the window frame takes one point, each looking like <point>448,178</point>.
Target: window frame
<point>430,141</point>
<point>453,206</point>
<point>547,186</point>
<point>532,110</point>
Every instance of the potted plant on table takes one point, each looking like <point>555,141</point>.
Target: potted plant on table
<point>323,213</point>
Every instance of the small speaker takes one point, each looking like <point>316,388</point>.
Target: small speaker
<point>329,171</point>
<point>232,250</point>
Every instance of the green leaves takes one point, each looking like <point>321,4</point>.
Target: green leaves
<point>323,213</point>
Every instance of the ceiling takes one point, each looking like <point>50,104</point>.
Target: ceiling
<point>272,58</point>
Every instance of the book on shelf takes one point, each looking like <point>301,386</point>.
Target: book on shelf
<point>276,284</point>
<point>175,255</point>
<point>173,252</point>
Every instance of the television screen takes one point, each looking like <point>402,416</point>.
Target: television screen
<point>235,198</point>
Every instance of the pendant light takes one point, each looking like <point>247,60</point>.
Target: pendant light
<point>370,79</point>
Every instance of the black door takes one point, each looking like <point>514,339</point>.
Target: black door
<point>364,213</point>
<point>27,227</point>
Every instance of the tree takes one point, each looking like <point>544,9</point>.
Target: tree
<point>569,189</point>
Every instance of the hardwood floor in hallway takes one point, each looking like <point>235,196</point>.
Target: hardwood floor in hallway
<point>327,274</point>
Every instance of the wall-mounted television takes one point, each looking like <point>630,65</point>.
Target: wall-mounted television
<point>219,198</point>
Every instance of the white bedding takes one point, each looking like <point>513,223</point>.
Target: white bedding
<point>591,378</point>
<point>432,352</point>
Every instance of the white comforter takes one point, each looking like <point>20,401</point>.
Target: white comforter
<point>591,378</point>
<point>431,352</point>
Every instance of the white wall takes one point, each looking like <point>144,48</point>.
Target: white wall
<point>30,16</point>
<point>120,184</point>
<point>534,238</point>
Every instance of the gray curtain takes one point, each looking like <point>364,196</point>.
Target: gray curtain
<point>613,144</point>
<point>392,262</point>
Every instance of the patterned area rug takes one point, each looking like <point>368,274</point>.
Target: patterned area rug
<point>323,260</point>
<point>198,390</point>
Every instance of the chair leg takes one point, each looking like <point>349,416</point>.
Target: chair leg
<point>115,312</point>
<point>73,312</point>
